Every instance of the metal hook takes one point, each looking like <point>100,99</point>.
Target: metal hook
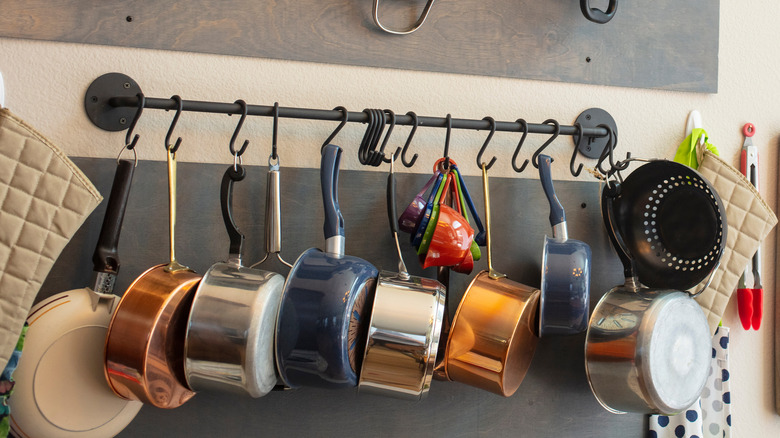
<point>387,137</point>
<point>371,124</point>
<point>535,158</point>
<point>576,173</point>
<point>244,112</point>
<point>367,153</point>
<point>371,155</point>
<point>447,142</point>
<point>485,144</point>
<point>416,122</point>
<point>338,128</point>
<point>130,144</point>
<point>179,109</point>
<point>609,153</point>
<point>524,127</point>
<point>274,156</point>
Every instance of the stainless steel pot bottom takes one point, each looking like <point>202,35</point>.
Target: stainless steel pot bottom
<point>647,351</point>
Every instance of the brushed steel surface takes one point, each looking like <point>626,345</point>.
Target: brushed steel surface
<point>647,351</point>
<point>230,334</point>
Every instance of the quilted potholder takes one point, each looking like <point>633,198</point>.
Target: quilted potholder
<point>44,199</point>
<point>750,220</point>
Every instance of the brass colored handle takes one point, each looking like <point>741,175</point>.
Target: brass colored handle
<point>493,274</point>
<point>173,265</point>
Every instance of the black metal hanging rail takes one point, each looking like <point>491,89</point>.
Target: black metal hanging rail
<point>112,100</point>
<point>336,115</point>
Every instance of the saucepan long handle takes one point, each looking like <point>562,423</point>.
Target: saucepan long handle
<point>557,214</point>
<point>106,257</point>
<point>329,180</point>
<point>232,175</point>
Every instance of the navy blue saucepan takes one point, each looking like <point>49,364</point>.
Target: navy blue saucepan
<point>324,314</point>
<point>563,306</point>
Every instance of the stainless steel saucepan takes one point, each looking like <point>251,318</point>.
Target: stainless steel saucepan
<point>230,334</point>
<point>405,327</point>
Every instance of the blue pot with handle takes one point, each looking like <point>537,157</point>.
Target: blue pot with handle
<point>566,263</point>
<point>323,319</point>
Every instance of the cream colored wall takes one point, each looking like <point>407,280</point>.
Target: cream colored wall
<point>45,85</point>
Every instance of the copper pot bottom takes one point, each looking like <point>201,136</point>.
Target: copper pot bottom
<point>492,340</point>
<point>145,343</point>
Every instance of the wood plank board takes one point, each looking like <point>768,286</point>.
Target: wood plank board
<point>665,44</point>
<point>554,399</point>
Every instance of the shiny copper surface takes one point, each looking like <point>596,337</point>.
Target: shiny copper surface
<point>492,340</point>
<point>145,342</point>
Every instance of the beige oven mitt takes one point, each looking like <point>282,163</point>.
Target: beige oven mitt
<point>44,199</point>
<point>749,219</point>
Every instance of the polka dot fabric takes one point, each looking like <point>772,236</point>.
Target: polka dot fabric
<point>710,416</point>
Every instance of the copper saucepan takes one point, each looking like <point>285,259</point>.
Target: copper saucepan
<point>492,338</point>
<point>144,357</point>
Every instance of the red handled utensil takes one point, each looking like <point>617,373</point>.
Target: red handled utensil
<point>750,301</point>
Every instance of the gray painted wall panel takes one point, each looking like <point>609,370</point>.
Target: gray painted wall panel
<point>665,44</point>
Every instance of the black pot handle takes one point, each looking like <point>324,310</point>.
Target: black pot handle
<point>597,15</point>
<point>608,195</point>
<point>557,214</point>
<point>329,181</point>
<point>391,211</point>
<point>106,256</point>
<point>232,174</point>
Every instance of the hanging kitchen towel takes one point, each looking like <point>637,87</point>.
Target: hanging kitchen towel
<point>710,416</point>
<point>44,199</point>
<point>749,219</point>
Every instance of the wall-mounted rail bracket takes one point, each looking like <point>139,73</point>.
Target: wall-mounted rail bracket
<point>593,147</point>
<point>96,101</point>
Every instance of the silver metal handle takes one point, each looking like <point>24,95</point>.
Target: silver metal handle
<point>273,213</point>
<point>709,280</point>
<point>416,25</point>
<point>273,216</point>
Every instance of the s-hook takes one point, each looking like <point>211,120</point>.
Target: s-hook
<point>524,127</point>
<point>131,141</point>
<point>576,173</point>
<point>367,135</point>
<point>244,112</point>
<point>371,156</point>
<point>387,137</point>
<point>416,123</point>
<point>367,153</point>
<point>338,128</point>
<point>535,158</point>
<point>179,109</point>
<point>485,144</point>
<point>609,153</point>
<point>448,121</point>
<point>274,136</point>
